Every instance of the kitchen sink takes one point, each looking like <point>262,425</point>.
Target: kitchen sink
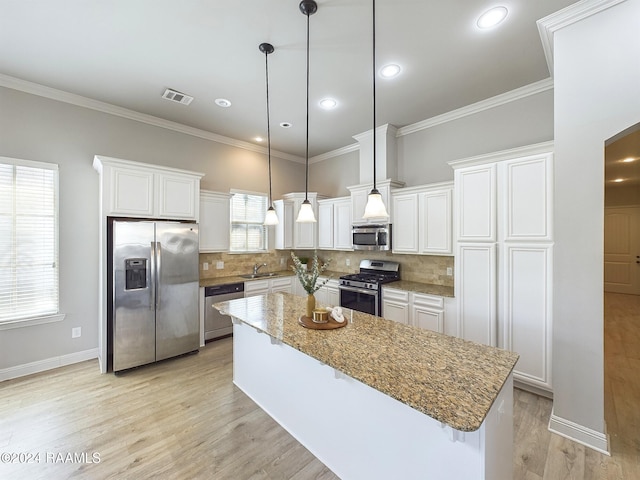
<point>258,275</point>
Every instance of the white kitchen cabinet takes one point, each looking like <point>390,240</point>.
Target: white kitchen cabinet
<point>325,224</point>
<point>405,222</point>
<point>334,224</point>
<point>271,285</point>
<point>333,293</point>
<point>395,305</point>
<point>503,255</point>
<point>133,189</point>
<point>256,287</point>
<point>284,229</point>
<point>281,284</point>
<point>289,233</point>
<point>435,221</point>
<point>214,221</point>
<point>527,311</point>
<point>427,311</point>
<point>476,199</point>
<point>422,220</point>
<point>359,196</point>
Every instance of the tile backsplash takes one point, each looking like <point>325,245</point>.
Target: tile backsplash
<point>414,268</point>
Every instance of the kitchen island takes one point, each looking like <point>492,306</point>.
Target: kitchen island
<point>377,399</point>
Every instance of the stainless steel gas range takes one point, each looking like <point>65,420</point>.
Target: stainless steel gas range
<point>363,291</point>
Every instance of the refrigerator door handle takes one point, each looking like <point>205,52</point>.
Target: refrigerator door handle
<point>152,278</point>
<point>158,269</point>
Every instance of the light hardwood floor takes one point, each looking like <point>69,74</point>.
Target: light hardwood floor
<point>184,419</point>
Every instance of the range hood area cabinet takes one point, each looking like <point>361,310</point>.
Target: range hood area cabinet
<point>503,277</point>
<point>214,221</point>
<point>422,219</point>
<point>140,190</point>
<point>288,233</point>
<point>359,194</point>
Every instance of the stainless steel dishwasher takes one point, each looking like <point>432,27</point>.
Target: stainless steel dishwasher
<point>217,325</point>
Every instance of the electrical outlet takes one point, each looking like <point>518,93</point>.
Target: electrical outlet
<point>449,271</point>
<point>205,266</point>
<point>219,265</point>
<point>282,261</point>
<point>347,262</point>
<point>76,332</point>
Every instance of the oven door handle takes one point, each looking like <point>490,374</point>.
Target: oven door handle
<point>359,290</point>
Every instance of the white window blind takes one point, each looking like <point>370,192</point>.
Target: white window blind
<point>28,239</point>
<point>248,234</point>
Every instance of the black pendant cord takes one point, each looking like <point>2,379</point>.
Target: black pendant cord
<point>306,174</point>
<point>266,69</point>
<point>374,98</point>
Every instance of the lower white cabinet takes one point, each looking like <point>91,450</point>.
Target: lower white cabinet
<point>526,311</point>
<point>427,311</point>
<point>411,308</point>
<point>395,305</point>
<point>271,285</point>
<point>281,284</point>
<point>328,294</point>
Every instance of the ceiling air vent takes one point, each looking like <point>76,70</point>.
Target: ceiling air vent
<point>176,96</point>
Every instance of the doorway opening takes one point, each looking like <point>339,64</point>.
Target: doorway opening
<point>622,292</point>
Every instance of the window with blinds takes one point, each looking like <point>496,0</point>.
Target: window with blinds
<point>28,240</point>
<point>248,234</point>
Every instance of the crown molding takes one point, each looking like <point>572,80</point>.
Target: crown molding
<point>518,152</point>
<point>502,99</point>
<point>85,102</point>
<point>550,24</point>
<point>354,147</point>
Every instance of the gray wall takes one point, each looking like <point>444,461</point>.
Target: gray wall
<point>597,75</point>
<point>423,155</point>
<point>36,128</point>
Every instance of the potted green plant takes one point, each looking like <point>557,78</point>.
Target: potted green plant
<point>309,278</point>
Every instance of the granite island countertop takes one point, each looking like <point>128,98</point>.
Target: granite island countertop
<point>449,379</point>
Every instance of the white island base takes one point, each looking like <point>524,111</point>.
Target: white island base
<point>359,432</point>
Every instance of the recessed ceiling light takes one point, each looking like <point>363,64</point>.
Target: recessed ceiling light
<point>618,180</point>
<point>259,139</point>
<point>390,71</point>
<point>223,102</point>
<point>328,103</point>
<point>628,160</point>
<point>492,17</point>
<point>286,124</point>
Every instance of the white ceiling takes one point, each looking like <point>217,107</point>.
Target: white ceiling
<point>126,52</point>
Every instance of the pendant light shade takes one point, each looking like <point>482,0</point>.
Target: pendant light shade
<point>306,215</point>
<point>270,217</point>
<point>375,206</point>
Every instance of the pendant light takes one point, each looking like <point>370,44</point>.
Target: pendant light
<point>375,206</point>
<point>306,215</point>
<point>270,217</point>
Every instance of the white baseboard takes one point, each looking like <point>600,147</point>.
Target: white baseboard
<point>578,433</point>
<point>47,364</point>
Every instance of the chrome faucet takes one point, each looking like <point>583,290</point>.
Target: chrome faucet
<point>257,267</point>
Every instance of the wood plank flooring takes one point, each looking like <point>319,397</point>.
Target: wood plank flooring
<point>184,419</point>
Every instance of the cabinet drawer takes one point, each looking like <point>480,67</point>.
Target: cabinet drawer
<point>393,294</point>
<point>281,282</point>
<point>256,287</point>
<point>427,300</point>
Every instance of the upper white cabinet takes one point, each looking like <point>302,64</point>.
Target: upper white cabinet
<point>132,189</point>
<point>476,203</point>
<point>334,224</point>
<point>284,229</point>
<point>422,220</point>
<point>527,187</point>
<point>289,233</point>
<point>214,221</point>
<point>359,195</point>
<point>503,279</point>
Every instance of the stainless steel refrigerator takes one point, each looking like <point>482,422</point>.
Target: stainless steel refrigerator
<point>154,290</point>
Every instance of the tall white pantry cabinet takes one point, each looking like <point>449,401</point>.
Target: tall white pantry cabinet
<point>504,255</point>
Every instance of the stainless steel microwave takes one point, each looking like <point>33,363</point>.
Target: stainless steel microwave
<point>372,237</point>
